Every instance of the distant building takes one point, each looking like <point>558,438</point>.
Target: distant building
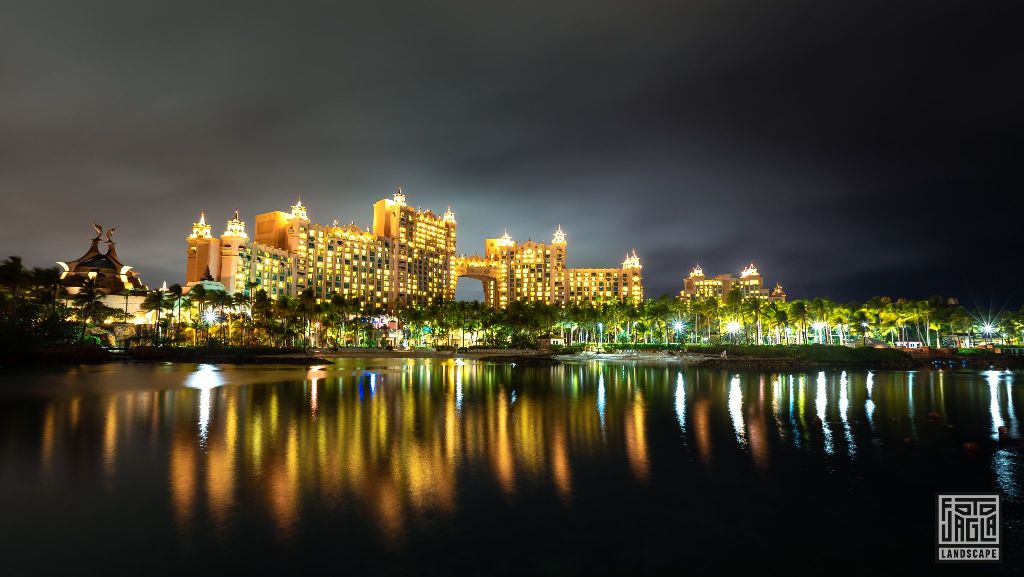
<point>537,272</point>
<point>750,283</point>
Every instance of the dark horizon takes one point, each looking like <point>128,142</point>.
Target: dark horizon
<point>849,151</point>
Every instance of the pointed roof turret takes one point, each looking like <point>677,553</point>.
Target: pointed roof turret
<point>559,237</point>
<point>235,228</point>
<point>200,229</point>
<point>299,211</point>
<point>632,261</point>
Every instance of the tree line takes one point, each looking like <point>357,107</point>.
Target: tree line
<point>34,311</point>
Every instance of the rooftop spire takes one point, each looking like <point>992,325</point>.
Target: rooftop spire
<point>559,237</point>
<point>236,228</point>
<point>632,261</point>
<point>299,211</point>
<point>399,196</point>
<point>200,229</point>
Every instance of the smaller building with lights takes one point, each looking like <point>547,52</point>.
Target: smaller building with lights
<point>750,284</point>
<point>535,271</point>
<point>117,285</point>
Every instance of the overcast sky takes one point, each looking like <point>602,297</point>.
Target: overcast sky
<point>848,149</point>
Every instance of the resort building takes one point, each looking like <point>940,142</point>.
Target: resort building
<point>537,272</point>
<point>117,284</point>
<point>750,284</point>
<point>405,258</point>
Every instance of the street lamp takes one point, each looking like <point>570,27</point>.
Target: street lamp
<point>818,325</point>
<point>864,331</point>
<point>600,330</point>
<point>732,327</point>
<point>678,326</point>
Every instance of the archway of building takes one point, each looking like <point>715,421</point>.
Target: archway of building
<point>488,281</point>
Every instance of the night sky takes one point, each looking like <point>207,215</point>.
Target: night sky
<point>849,149</point>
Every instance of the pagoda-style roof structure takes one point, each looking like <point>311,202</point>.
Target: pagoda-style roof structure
<point>109,273</point>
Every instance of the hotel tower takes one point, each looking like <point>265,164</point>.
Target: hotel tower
<point>407,257</point>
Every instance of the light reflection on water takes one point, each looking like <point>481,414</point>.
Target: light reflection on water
<point>399,439</point>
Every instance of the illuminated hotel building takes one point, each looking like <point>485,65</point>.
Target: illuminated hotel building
<point>405,258</point>
<point>536,272</point>
<point>750,284</point>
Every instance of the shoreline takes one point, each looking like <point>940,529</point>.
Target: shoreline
<point>97,355</point>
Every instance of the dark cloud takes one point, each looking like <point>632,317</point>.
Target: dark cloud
<point>847,148</point>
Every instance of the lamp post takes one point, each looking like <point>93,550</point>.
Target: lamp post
<point>600,342</point>
<point>732,327</point>
<point>987,329</point>
<point>678,326</point>
<point>864,332</point>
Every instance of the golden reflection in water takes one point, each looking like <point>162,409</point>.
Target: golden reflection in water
<point>75,412</point>
<point>702,425</point>
<point>49,423</point>
<point>220,468</point>
<point>110,438</point>
<point>636,436</point>
<point>390,445</point>
<point>757,427</point>
<point>503,460</point>
<point>182,477</point>
<point>560,468</point>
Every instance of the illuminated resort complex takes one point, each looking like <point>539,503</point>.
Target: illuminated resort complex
<point>750,284</point>
<point>407,257</point>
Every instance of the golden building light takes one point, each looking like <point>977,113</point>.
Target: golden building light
<point>750,283</point>
<point>406,257</point>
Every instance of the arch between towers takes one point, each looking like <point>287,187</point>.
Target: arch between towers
<point>482,270</point>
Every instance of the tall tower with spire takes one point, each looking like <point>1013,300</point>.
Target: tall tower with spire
<point>232,242</point>
<point>203,251</point>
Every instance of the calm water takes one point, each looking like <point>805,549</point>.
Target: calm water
<point>427,467</point>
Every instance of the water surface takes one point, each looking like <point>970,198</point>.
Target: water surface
<point>408,467</point>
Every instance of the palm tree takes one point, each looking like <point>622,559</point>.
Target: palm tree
<point>175,291</point>
<point>12,277</point>
<point>262,312</point>
<point>754,308</point>
<point>283,308</point>
<point>87,297</point>
<point>799,314</point>
<point>821,309</point>
<point>155,301</point>
<point>308,307</point>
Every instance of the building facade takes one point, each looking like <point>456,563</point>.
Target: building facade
<point>405,258</point>
<point>118,285</point>
<point>536,272</point>
<point>750,284</point>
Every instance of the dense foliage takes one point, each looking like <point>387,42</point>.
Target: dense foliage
<point>34,313</point>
